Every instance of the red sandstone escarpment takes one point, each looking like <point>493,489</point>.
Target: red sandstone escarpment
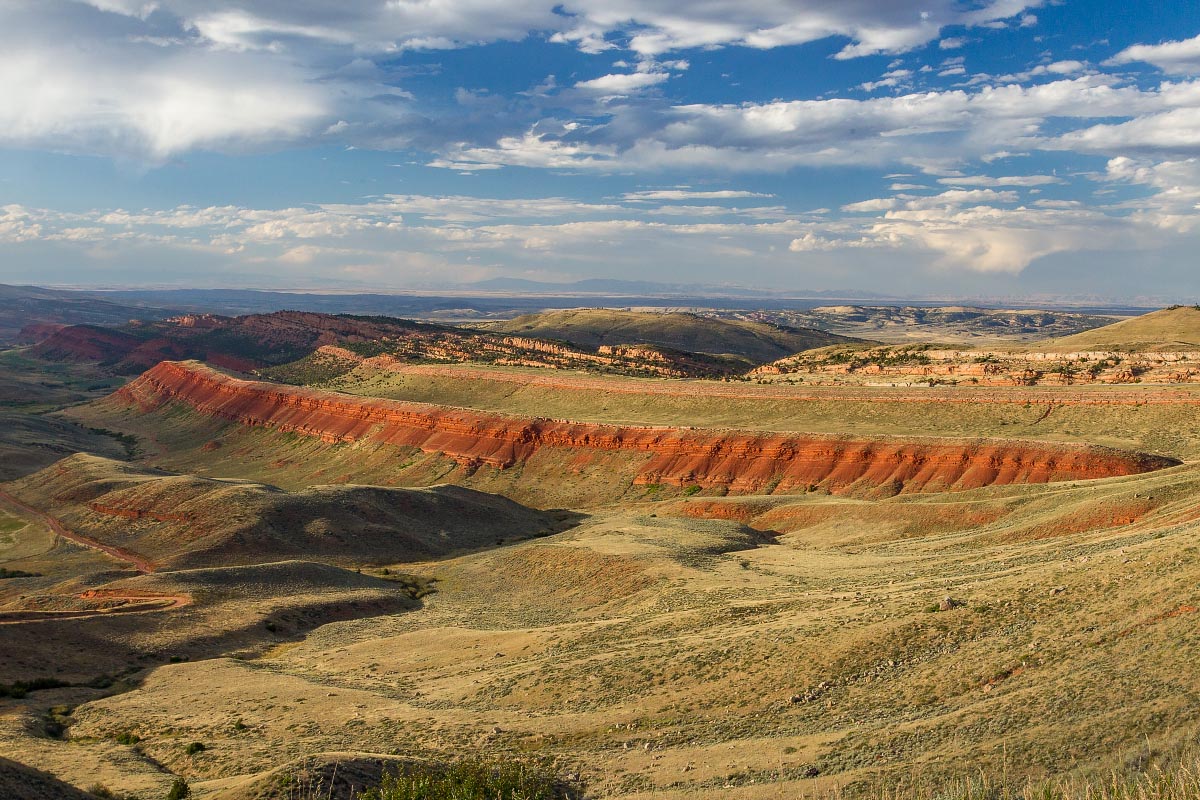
<point>743,462</point>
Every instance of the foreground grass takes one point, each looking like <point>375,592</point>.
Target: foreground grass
<point>497,779</point>
<point>476,779</point>
<point>1176,776</point>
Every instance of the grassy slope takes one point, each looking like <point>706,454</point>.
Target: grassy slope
<point>680,657</point>
<point>1170,329</point>
<point>29,388</point>
<point>205,522</point>
<point>756,341</point>
<point>1156,428</point>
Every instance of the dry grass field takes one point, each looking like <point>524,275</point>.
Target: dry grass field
<point>1011,640</point>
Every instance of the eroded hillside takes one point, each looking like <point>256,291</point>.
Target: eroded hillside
<point>403,442</point>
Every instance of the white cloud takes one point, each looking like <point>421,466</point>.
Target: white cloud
<point>461,166</point>
<point>1174,131</point>
<point>961,197</point>
<point>893,26</point>
<point>1175,202</point>
<point>871,206</point>
<point>395,239</point>
<point>895,77</point>
<point>1059,68</point>
<point>1006,180</point>
<point>938,132</point>
<point>1180,58</point>
<point>653,26</point>
<point>688,194</point>
<point>940,129</point>
<point>534,149</point>
<point>622,84</point>
<point>137,100</point>
<point>250,74</point>
<point>986,239</point>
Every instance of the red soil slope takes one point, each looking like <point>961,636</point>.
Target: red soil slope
<point>743,462</point>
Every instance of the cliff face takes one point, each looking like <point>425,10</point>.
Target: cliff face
<point>742,462</point>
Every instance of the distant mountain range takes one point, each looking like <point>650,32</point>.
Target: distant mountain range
<point>606,286</point>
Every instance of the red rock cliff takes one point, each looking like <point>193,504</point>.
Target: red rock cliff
<point>745,462</point>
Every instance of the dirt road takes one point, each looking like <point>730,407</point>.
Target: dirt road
<point>139,562</point>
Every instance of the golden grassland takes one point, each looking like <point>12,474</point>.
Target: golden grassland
<point>1005,642</point>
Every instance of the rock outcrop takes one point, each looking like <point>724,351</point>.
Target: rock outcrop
<point>739,461</point>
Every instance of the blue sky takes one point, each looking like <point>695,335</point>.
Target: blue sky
<point>997,148</point>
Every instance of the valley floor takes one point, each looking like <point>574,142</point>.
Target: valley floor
<point>668,655</point>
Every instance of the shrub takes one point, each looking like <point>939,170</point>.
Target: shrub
<point>194,748</point>
<point>128,738</point>
<point>179,790</point>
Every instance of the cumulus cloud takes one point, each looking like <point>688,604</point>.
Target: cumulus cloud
<point>1174,131</point>
<point>891,78</point>
<point>395,239</point>
<point>661,26</point>
<point>1179,57</point>
<point>987,239</point>
<point>65,89</point>
<point>153,79</point>
<point>651,27</point>
<point>1175,200</point>
<point>622,84</point>
<point>937,131</point>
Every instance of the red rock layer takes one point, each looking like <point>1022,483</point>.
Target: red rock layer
<point>36,332</point>
<point>744,462</point>
<point>136,513</point>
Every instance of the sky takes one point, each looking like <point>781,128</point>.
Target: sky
<point>934,148</point>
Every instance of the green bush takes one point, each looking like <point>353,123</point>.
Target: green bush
<point>194,748</point>
<point>179,790</point>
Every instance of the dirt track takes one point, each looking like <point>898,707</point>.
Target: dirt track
<point>139,562</point>
<point>132,603</point>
